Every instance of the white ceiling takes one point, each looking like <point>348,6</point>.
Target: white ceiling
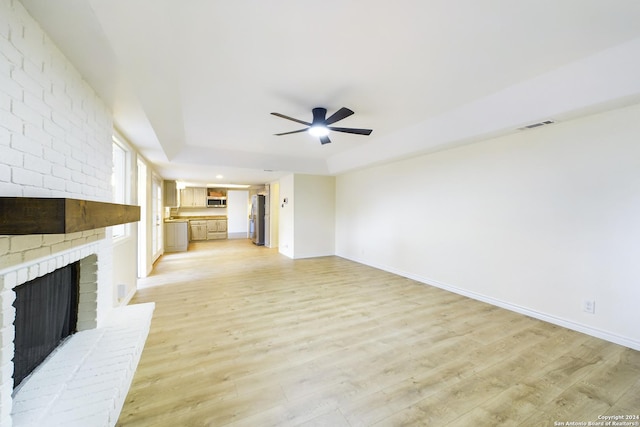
<point>191,83</point>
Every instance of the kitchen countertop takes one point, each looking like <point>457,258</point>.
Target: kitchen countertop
<point>193,218</point>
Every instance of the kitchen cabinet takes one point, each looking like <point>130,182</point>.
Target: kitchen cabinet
<point>216,229</point>
<point>200,197</point>
<point>170,194</point>
<point>198,229</point>
<point>194,197</point>
<point>175,236</point>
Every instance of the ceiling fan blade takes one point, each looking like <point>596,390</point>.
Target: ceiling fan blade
<point>294,131</point>
<point>324,140</point>
<point>352,130</point>
<point>339,115</point>
<point>291,118</point>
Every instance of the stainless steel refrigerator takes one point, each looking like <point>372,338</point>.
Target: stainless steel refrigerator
<point>257,219</point>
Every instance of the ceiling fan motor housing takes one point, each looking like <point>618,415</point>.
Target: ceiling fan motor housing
<point>319,116</point>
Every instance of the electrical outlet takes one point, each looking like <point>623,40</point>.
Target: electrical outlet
<point>589,306</point>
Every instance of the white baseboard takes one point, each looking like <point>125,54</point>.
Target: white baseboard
<point>127,299</point>
<point>569,324</point>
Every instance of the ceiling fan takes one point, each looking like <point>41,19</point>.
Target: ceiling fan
<point>319,126</point>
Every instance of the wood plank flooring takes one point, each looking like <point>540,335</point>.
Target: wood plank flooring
<point>243,336</point>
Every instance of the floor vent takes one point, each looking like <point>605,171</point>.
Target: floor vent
<point>538,124</point>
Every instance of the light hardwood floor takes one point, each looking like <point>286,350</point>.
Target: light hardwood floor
<point>243,336</point>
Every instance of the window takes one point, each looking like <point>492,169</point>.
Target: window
<point>120,182</point>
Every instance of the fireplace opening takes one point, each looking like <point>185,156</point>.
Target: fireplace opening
<point>46,314</point>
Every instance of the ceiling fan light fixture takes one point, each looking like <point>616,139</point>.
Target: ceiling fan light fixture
<point>321,124</point>
<point>319,130</point>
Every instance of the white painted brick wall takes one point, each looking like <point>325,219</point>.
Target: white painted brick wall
<point>53,124</point>
<point>55,141</point>
<point>55,132</point>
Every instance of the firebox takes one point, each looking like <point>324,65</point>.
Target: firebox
<point>46,314</point>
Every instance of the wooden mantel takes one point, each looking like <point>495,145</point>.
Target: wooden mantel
<point>34,215</point>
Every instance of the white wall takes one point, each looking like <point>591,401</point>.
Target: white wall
<point>536,222</point>
<point>275,204</point>
<point>125,256</point>
<point>237,213</point>
<point>307,220</point>
<point>286,217</point>
<point>125,248</point>
<point>314,216</point>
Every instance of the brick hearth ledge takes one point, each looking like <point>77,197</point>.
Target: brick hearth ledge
<point>86,380</point>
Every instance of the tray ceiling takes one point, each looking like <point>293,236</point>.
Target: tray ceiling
<point>191,84</point>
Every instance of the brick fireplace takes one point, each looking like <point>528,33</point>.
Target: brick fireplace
<point>85,380</point>
<point>56,137</point>
<point>22,273</point>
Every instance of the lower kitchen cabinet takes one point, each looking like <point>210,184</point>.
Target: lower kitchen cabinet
<point>175,236</point>
<point>208,229</point>
<point>216,229</point>
<point>198,230</point>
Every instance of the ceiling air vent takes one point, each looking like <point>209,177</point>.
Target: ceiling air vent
<point>536,125</point>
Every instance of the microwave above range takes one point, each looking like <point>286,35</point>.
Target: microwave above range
<point>216,202</point>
